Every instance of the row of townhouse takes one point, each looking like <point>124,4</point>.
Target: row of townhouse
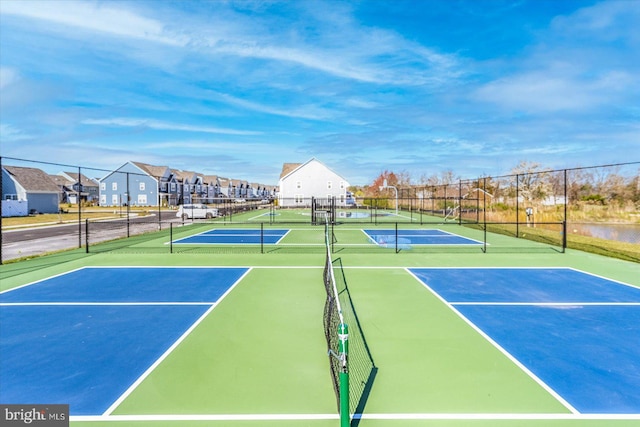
<point>27,190</point>
<point>141,184</point>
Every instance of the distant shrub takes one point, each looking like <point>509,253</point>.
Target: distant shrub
<point>595,199</point>
<point>500,206</point>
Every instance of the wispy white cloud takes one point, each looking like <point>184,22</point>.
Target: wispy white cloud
<point>371,56</point>
<point>607,20</point>
<point>9,133</point>
<point>168,82</point>
<point>575,66</point>
<point>8,76</point>
<point>300,111</point>
<point>94,17</point>
<point>548,91</point>
<point>161,125</point>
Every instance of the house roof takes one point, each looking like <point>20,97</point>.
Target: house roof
<point>155,171</point>
<point>184,174</point>
<point>210,179</point>
<point>61,180</point>
<point>74,176</point>
<point>32,179</point>
<point>287,168</point>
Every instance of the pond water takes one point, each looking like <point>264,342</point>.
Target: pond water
<point>621,232</point>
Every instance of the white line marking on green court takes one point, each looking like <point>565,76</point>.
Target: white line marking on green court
<point>170,350</point>
<point>44,303</point>
<point>519,364</point>
<point>549,304</point>
<point>390,416</point>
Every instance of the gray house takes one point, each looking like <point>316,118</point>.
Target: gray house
<point>131,184</point>
<point>212,185</point>
<point>168,193</point>
<point>65,188</point>
<point>30,185</point>
<point>187,181</point>
<point>226,188</point>
<point>87,187</point>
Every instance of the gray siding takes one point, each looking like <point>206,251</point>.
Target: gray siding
<point>43,202</point>
<point>128,180</point>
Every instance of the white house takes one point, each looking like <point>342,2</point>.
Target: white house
<point>299,182</point>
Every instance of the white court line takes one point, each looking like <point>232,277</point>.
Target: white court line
<point>308,417</point>
<point>549,304</point>
<point>283,236</point>
<point>45,303</point>
<point>151,368</point>
<point>499,347</point>
<point>42,280</point>
<point>390,231</point>
<point>602,277</point>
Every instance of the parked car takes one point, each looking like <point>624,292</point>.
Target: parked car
<point>239,200</point>
<point>196,211</point>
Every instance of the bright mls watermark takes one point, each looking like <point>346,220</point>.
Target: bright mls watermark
<point>34,415</point>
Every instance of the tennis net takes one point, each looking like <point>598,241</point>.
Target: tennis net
<point>351,357</point>
<point>332,318</point>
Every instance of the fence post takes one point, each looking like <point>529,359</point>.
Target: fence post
<point>86,235</point>
<point>128,205</point>
<point>517,206</point>
<point>460,202</point>
<point>484,214</point>
<point>566,200</point>
<point>79,200</point>
<point>261,237</point>
<point>1,233</point>
<point>170,237</point>
<point>396,237</point>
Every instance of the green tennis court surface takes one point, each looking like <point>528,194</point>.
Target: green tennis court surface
<point>258,356</point>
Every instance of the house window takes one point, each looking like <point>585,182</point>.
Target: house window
<point>103,200</point>
<point>298,184</point>
<point>142,186</point>
<point>298,198</point>
<point>342,185</point>
<point>103,186</point>
<point>114,186</point>
<point>173,187</point>
<point>114,199</point>
<point>329,185</point>
<point>142,199</point>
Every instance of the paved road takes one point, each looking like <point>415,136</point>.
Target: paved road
<point>39,240</point>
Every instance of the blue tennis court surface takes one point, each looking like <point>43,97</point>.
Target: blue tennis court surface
<point>85,337</point>
<point>385,237</point>
<point>235,236</point>
<point>578,333</point>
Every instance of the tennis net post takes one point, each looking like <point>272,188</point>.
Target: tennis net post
<point>343,336</point>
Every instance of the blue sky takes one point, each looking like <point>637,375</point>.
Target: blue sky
<point>237,88</point>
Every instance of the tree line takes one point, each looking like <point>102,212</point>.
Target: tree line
<point>601,185</point>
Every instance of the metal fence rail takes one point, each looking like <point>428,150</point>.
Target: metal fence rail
<point>592,208</point>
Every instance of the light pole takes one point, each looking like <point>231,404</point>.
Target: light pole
<point>384,186</point>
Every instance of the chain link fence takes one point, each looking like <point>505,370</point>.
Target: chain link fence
<point>596,209</point>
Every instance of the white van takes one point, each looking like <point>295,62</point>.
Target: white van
<point>196,211</point>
